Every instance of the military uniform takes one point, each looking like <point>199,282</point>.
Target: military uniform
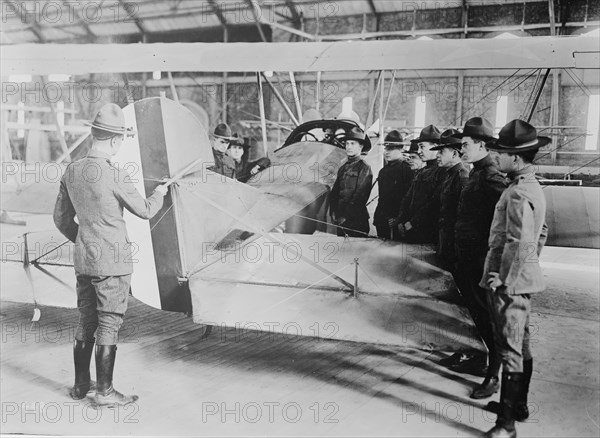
<point>243,168</point>
<point>421,205</point>
<point>452,186</point>
<point>394,181</point>
<point>475,211</point>
<point>517,236</point>
<point>349,196</point>
<point>224,164</point>
<point>96,192</point>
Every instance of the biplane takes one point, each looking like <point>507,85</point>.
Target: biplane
<point>211,251</point>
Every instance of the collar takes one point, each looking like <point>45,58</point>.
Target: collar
<point>353,159</point>
<point>484,162</point>
<point>527,172</point>
<point>431,163</point>
<point>93,153</point>
<point>455,168</point>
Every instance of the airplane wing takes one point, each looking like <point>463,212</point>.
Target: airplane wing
<point>448,54</point>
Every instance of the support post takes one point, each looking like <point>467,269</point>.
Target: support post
<point>355,289</point>
<point>263,119</point>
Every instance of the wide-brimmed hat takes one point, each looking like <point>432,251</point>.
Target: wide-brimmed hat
<point>429,133</point>
<point>517,136</point>
<point>359,135</point>
<point>223,130</point>
<point>394,139</point>
<point>413,148</point>
<point>478,128</point>
<point>449,139</point>
<point>110,119</point>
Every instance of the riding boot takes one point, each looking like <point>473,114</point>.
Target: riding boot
<point>82,355</point>
<point>106,394</point>
<point>491,383</point>
<point>509,396</point>
<point>521,410</point>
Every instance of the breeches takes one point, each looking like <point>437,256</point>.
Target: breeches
<point>102,302</point>
<point>510,318</point>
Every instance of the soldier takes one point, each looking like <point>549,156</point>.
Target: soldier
<point>418,218</point>
<point>102,257</point>
<point>394,181</point>
<point>351,190</point>
<point>220,140</point>
<point>414,159</point>
<point>449,157</point>
<point>240,153</point>
<point>475,211</point>
<point>512,271</point>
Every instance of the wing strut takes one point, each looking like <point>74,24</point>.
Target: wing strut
<point>537,97</point>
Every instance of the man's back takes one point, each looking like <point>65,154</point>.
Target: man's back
<point>96,192</point>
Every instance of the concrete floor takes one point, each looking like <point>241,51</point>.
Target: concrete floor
<point>246,383</point>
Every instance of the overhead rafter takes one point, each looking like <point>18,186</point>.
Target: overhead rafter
<point>35,28</point>
<point>295,15</point>
<point>375,13</point>
<point>91,36</point>
<point>217,11</point>
<point>136,19</point>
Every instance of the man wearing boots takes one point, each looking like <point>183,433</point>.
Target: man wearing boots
<point>352,187</point>
<point>448,157</point>
<point>95,191</point>
<point>394,180</point>
<point>418,218</point>
<point>512,271</point>
<point>475,211</point>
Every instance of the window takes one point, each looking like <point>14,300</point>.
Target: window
<point>593,120</point>
<point>501,112</point>
<point>420,106</point>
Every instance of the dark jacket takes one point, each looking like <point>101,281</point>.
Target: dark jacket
<point>224,164</point>
<point>351,190</point>
<point>243,168</point>
<point>97,192</point>
<point>394,181</point>
<point>477,203</point>
<point>456,178</point>
<point>421,205</point>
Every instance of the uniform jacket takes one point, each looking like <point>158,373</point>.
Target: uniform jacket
<point>351,190</point>
<point>394,181</point>
<point>478,201</point>
<point>96,192</point>
<point>518,235</point>
<point>452,186</point>
<point>421,205</point>
<point>243,168</point>
<point>224,164</point>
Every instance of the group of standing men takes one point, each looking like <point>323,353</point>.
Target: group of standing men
<point>489,227</point>
<point>490,231</point>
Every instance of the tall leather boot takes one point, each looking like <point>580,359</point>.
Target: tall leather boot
<point>490,384</point>
<point>106,394</point>
<point>509,396</point>
<point>82,356</point>
<point>521,409</point>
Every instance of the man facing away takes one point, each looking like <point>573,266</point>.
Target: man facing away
<point>394,181</point>
<point>352,187</point>
<point>96,192</point>
<point>449,158</point>
<point>512,271</point>
<point>475,211</point>
<point>418,218</point>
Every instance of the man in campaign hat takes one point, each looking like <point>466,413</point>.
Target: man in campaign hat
<point>512,271</point>
<point>394,180</point>
<point>352,187</point>
<point>96,192</point>
<point>475,211</point>
<point>414,159</point>
<point>418,218</point>
<point>449,157</point>
<point>239,151</point>
<point>220,140</point>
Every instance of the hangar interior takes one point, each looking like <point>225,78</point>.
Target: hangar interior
<point>295,380</point>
